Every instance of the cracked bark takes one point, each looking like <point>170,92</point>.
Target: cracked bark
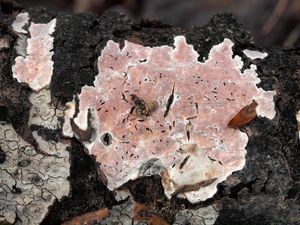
<point>266,191</point>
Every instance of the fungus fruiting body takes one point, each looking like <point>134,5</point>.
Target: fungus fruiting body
<point>162,103</point>
<point>252,54</point>
<point>36,67</point>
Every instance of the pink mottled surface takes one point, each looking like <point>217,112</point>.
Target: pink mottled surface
<point>208,94</point>
<point>37,67</point>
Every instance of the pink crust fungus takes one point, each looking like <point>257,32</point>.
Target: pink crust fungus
<point>162,103</point>
<point>36,68</point>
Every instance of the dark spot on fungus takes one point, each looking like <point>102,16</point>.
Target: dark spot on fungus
<point>131,110</point>
<point>149,129</point>
<point>211,158</point>
<point>142,60</point>
<point>106,139</point>
<point>182,164</point>
<point>230,99</point>
<point>194,187</point>
<point>191,117</point>
<point>188,128</point>
<point>169,101</point>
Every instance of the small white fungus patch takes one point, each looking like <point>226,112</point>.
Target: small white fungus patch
<point>251,54</point>
<point>68,114</point>
<point>21,20</point>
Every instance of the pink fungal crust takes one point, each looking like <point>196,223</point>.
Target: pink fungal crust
<point>37,67</point>
<point>206,94</point>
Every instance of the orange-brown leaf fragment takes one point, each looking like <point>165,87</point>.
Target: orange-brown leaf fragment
<point>244,116</point>
<point>142,213</point>
<point>88,218</point>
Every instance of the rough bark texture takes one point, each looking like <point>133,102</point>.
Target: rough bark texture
<point>266,191</point>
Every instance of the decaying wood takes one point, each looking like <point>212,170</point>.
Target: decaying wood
<point>270,181</point>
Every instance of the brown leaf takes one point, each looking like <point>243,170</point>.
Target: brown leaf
<point>244,116</point>
<point>88,218</point>
<point>142,213</point>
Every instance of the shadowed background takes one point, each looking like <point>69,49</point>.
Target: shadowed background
<point>271,22</point>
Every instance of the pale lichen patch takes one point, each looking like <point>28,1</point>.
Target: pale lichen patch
<point>43,110</point>
<point>202,216</point>
<point>33,178</point>
<point>30,181</point>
